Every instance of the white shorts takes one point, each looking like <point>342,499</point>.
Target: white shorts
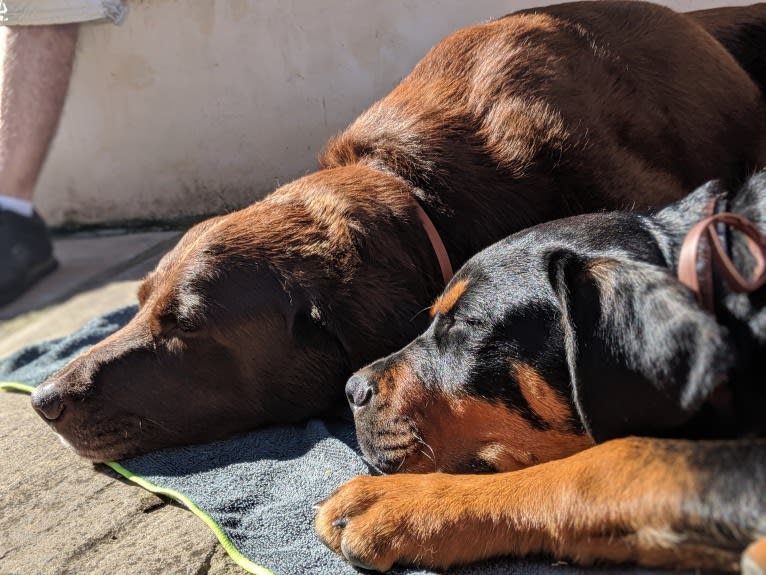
<point>39,12</point>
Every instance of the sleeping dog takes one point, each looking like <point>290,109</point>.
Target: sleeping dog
<point>553,347</point>
<point>260,316</point>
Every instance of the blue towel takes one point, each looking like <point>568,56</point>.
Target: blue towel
<point>255,490</point>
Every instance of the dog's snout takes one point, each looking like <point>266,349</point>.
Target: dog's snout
<point>358,390</point>
<point>48,401</point>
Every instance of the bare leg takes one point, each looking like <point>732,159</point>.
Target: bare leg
<point>35,66</point>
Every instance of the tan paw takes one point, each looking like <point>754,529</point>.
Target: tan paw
<point>376,522</point>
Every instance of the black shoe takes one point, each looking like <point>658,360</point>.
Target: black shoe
<point>26,253</point>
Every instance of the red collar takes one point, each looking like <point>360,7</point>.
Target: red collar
<point>436,243</point>
<point>702,250</point>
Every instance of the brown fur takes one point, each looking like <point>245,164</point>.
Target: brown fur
<point>445,301</point>
<point>624,501</point>
<point>544,400</point>
<point>260,315</point>
<point>414,427</point>
<point>470,425</point>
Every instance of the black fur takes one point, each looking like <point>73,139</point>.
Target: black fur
<point>642,356</point>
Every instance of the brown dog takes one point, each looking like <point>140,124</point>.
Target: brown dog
<point>260,315</point>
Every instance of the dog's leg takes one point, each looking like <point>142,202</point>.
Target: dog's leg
<point>742,31</point>
<point>659,503</point>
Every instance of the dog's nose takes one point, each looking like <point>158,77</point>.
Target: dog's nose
<point>358,390</point>
<point>47,400</point>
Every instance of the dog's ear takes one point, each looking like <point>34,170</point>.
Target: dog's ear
<point>642,355</point>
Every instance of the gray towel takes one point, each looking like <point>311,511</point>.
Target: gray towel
<point>258,487</point>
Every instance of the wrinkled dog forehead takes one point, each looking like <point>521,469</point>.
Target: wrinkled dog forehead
<point>203,276</point>
<point>508,273</point>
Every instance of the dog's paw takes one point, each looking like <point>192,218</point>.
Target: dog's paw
<point>375,522</point>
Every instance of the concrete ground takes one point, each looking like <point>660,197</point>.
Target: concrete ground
<point>60,514</point>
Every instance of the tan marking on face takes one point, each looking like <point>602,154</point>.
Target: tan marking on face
<point>402,389</point>
<point>447,300</point>
<point>541,397</point>
<point>461,429</point>
<point>507,439</point>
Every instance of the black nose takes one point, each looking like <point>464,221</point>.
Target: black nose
<point>358,390</point>
<point>47,400</point>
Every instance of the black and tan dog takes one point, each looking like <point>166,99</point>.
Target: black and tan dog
<point>552,347</point>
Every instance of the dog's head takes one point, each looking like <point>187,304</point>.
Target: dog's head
<point>570,333</point>
<point>254,317</point>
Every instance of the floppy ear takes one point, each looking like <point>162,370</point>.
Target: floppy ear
<point>643,356</point>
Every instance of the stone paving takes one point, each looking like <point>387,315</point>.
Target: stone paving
<point>60,514</point>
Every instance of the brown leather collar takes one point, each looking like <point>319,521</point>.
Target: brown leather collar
<point>702,250</point>
<point>436,243</point>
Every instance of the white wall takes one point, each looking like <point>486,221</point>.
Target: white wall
<point>198,106</point>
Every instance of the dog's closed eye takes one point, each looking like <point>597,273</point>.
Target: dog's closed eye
<point>186,325</point>
<point>175,324</point>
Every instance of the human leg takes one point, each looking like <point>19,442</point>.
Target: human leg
<point>35,67</point>
<point>36,63</point>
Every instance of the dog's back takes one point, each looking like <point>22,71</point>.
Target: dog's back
<point>742,31</point>
<point>573,96</point>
